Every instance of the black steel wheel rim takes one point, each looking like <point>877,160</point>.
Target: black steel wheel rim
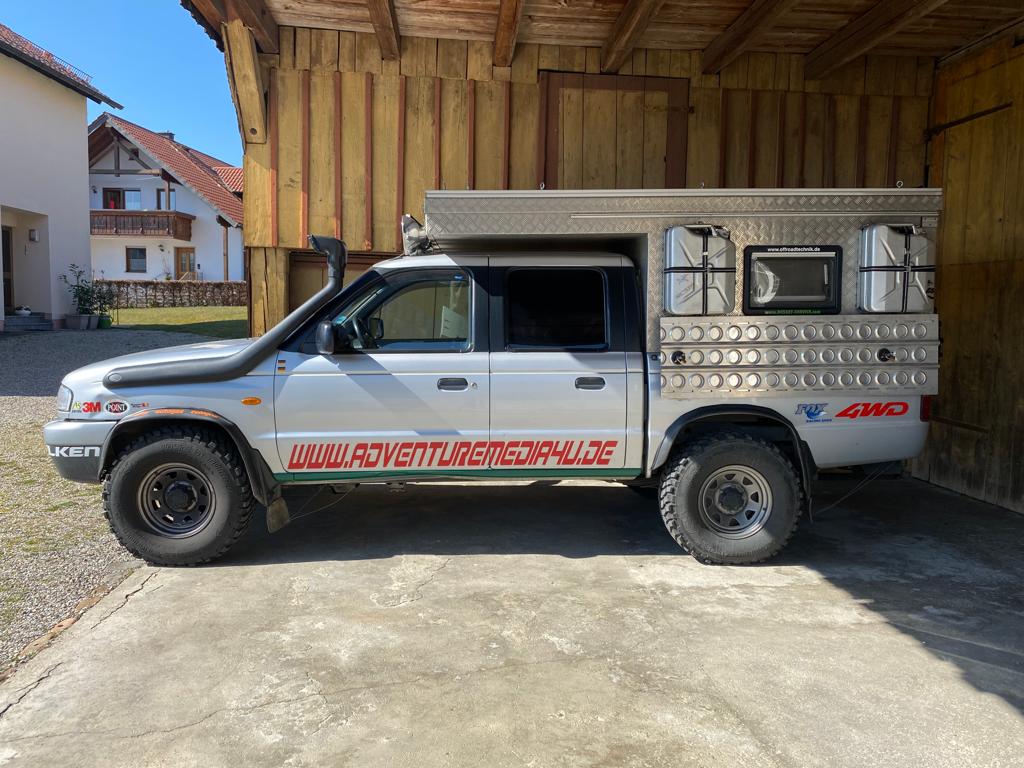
<point>176,500</point>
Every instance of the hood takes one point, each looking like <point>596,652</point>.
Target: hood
<point>94,372</point>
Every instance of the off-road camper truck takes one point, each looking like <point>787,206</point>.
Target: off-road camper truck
<point>719,346</point>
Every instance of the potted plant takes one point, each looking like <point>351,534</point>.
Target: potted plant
<point>22,311</point>
<point>103,298</point>
<point>83,295</point>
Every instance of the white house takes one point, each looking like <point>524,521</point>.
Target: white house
<point>135,232</point>
<point>44,170</point>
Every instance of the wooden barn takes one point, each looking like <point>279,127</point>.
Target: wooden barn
<point>350,109</point>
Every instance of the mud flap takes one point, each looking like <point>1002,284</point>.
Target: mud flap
<point>277,514</point>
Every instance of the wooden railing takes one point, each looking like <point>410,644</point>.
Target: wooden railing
<point>172,224</point>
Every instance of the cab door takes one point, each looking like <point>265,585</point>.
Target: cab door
<point>559,384</point>
<point>409,399</point>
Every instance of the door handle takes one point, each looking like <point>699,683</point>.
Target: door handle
<point>589,382</point>
<point>452,385</point>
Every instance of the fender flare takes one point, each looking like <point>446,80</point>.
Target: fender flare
<point>704,413</point>
<point>264,486</point>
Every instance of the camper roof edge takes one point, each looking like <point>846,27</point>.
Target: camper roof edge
<point>718,192</point>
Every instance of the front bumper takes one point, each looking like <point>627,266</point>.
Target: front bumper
<point>76,447</point>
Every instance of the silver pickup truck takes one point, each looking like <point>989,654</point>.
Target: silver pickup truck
<point>710,349</point>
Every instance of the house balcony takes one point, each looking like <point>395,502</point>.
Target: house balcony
<point>173,224</point>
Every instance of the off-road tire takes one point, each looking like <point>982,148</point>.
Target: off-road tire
<point>196,447</point>
<point>689,467</point>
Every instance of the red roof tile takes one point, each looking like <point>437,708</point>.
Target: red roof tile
<point>202,173</point>
<point>23,49</point>
<point>231,176</point>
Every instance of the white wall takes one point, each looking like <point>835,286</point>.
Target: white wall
<point>43,183</point>
<point>108,252</point>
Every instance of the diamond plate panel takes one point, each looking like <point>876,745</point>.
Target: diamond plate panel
<point>741,356</point>
<point>764,217</point>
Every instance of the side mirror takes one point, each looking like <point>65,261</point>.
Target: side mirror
<point>375,328</point>
<point>325,338</point>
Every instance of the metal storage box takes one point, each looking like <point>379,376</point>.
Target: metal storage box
<point>700,271</point>
<point>897,270</point>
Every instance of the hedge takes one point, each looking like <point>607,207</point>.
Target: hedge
<point>137,294</point>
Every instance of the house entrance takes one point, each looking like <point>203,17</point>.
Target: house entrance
<point>185,263</point>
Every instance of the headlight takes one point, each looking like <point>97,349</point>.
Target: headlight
<point>64,398</point>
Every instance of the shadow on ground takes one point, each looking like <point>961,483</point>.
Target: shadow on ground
<point>941,568</point>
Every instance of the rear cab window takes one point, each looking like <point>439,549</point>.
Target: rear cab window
<point>556,309</point>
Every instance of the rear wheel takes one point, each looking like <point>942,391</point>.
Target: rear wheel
<point>178,496</point>
<point>730,498</point>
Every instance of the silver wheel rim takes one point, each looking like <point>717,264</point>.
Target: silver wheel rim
<point>735,501</point>
<point>176,500</point>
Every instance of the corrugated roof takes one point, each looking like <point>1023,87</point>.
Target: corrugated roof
<point>200,172</point>
<point>24,50</point>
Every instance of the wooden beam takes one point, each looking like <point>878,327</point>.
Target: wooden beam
<point>864,33</point>
<point>254,15</point>
<point>385,24</point>
<point>744,33</point>
<point>246,80</point>
<point>132,152</point>
<point>632,23</point>
<point>212,10</point>
<point>509,14</point>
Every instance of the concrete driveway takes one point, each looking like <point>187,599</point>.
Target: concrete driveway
<point>549,626</point>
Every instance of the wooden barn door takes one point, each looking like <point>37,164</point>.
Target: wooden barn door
<point>976,444</point>
<point>615,131</point>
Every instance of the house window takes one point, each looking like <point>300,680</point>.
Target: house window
<point>160,205</point>
<point>122,199</point>
<point>135,259</point>
<point>113,199</point>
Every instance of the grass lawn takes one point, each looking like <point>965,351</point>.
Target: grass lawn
<point>221,322</point>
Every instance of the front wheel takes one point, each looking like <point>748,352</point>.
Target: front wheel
<point>730,499</point>
<point>178,496</point>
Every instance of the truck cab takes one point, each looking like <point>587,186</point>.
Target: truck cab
<point>523,365</point>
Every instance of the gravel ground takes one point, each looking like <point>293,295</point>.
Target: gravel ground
<point>55,546</point>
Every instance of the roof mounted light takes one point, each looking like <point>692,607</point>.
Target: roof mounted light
<point>414,236</point>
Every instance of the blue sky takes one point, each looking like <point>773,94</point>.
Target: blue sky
<point>148,55</point>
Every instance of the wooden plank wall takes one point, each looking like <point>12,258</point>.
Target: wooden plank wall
<point>354,141</point>
<point>976,443</point>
